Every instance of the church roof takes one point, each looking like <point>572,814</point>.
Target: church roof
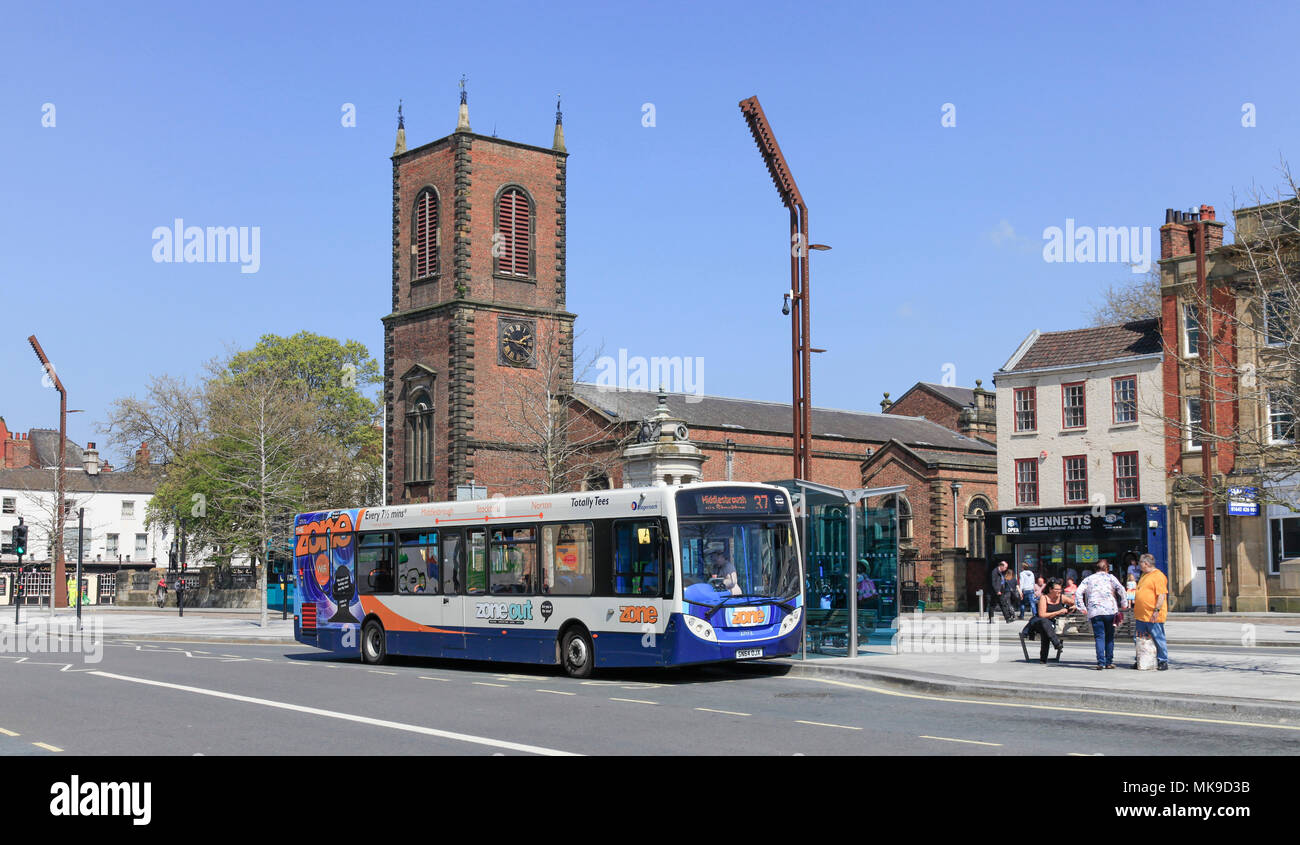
<point>722,413</point>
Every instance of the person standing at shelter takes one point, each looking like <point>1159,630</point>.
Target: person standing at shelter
<point>1102,597</point>
<point>1151,608</point>
<point>1027,603</point>
<point>998,591</point>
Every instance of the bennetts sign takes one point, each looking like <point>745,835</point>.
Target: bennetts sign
<point>1062,521</point>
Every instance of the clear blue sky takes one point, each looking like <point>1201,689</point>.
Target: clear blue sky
<point>229,114</point>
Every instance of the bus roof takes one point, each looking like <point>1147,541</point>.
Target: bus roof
<point>541,508</point>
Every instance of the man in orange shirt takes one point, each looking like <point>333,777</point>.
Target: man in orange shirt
<point>1151,607</point>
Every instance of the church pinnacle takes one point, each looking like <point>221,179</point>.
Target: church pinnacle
<point>401,131</point>
<point>462,119</point>
<point>558,144</point>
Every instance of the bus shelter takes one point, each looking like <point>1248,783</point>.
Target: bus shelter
<point>850,565</point>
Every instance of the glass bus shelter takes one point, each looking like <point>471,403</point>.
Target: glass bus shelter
<point>850,565</point>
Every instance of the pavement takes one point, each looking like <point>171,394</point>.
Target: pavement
<point>1237,667</point>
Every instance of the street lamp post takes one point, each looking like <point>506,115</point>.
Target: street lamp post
<point>59,589</point>
<point>798,300</point>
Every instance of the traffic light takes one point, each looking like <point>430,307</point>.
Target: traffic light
<point>20,539</point>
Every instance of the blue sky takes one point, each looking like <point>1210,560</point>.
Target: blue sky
<point>230,115</point>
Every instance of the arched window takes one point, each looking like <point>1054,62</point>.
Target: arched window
<point>975,511</point>
<point>424,235</point>
<point>904,509</point>
<point>513,247</point>
<point>419,438</point>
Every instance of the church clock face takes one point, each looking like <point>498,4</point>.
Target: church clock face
<point>516,342</point>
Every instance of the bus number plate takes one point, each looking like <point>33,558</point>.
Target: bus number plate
<point>742,653</point>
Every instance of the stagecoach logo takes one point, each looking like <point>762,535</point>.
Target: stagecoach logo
<point>640,505</point>
<point>502,613</point>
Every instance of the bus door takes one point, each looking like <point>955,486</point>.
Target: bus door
<point>453,588</point>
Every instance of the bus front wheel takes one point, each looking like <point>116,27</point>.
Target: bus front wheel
<point>373,647</point>
<point>577,654</point>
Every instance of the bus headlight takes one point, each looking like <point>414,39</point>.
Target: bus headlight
<point>700,628</point>
<point>789,623</point>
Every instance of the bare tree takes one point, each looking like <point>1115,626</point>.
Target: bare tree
<point>1128,301</point>
<point>170,417</point>
<point>1250,357</point>
<point>557,443</point>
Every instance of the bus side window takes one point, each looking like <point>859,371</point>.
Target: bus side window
<point>637,559</point>
<point>453,563</point>
<point>375,563</point>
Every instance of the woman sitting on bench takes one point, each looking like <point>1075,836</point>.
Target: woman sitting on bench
<point>1051,605</point>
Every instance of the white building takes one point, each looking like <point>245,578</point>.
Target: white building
<point>1081,455</point>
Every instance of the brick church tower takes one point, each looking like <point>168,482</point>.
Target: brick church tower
<point>478,321</point>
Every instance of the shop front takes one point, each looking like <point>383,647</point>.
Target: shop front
<point>1071,542</point>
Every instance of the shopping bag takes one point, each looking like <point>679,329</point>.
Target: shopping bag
<point>1146,653</point>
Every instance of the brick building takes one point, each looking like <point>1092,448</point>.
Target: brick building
<point>1254,344</point>
<point>970,411</point>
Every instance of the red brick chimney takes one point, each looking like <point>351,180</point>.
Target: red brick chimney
<point>17,451</point>
<point>142,456</point>
<point>1178,235</point>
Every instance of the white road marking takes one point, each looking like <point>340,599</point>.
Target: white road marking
<point>1050,706</point>
<point>427,678</point>
<point>485,684</point>
<point>9,733</point>
<point>556,692</point>
<point>634,701</point>
<point>381,672</point>
<point>47,747</point>
<point>725,712</point>
<point>951,739</point>
<point>828,725</point>
<point>347,717</point>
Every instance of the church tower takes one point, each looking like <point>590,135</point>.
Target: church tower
<point>478,327</point>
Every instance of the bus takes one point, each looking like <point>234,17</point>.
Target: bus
<point>638,577</point>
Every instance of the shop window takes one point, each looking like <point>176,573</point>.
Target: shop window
<point>567,559</point>
<point>1027,481</point>
<point>1126,477</point>
<point>1284,534</point>
<point>1073,406</point>
<point>1076,480</point>
<point>1026,409</point>
<point>1124,399</point>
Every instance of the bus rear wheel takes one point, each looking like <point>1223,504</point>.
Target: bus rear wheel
<point>373,647</point>
<point>577,654</point>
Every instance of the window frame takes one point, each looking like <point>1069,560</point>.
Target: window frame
<point>436,545</point>
<point>1032,410</point>
<point>1272,424</point>
<point>1190,309</point>
<point>1275,555</point>
<point>660,535</point>
<point>1137,476</point>
<point>1270,309</point>
<point>9,505</point>
<point>1115,401</point>
<point>364,580</point>
<point>1190,443</point>
<point>548,573</point>
<point>530,275</point>
<point>1066,480</point>
<point>1033,463</point>
<point>531,578</point>
<point>419,433</point>
<point>434,264</point>
<point>1082,407</point>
